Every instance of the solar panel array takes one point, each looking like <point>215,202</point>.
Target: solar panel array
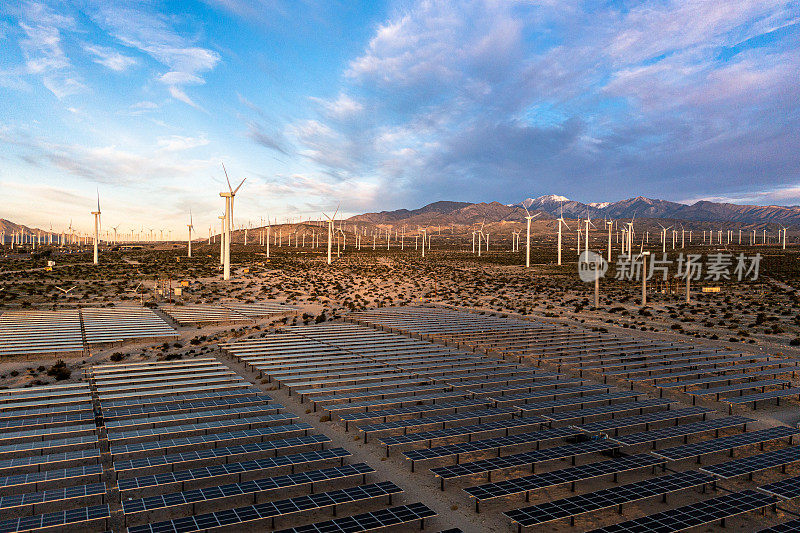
<point>224,312</point>
<point>606,432</point>
<point>726,376</point>
<point>50,469</point>
<point>70,332</point>
<point>119,324</point>
<point>40,332</point>
<point>193,444</point>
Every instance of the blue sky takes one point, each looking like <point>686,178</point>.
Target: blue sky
<point>382,105</point>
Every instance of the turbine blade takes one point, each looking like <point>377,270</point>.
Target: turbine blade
<point>226,177</point>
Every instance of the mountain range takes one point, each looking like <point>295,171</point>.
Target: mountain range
<point>551,206</point>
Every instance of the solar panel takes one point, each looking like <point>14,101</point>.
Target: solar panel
<point>647,419</point>
<point>581,414</point>
<point>792,526</point>
<point>198,427</point>
<point>64,493</point>
<point>695,514</point>
<point>781,393</point>
<point>69,443</point>
<point>65,518</point>
<point>605,498</point>
<point>498,489</point>
<point>164,420</point>
<point>264,434</point>
<point>58,474</point>
<point>188,406</point>
<point>414,423</point>
<point>552,393</point>
<point>459,430</point>
<point>784,488</point>
<point>151,464</point>
<point>164,480</point>
<point>390,517</point>
<point>726,443</point>
<point>280,507</point>
<point>683,430</point>
<point>486,466</point>
<point>37,462</point>
<point>51,420</point>
<point>738,387</point>
<point>755,463</point>
<point>393,516</point>
<point>458,449</point>
<point>391,401</point>
<point>385,414</point>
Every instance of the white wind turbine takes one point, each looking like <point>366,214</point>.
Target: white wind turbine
<point>96,227</point>
<point>609,225</point>
<point>221,239</point>
<point>560,221</point>
<point>586,234</point>
<point>330,231</point>
<point>190,226</point>
<point>66,291</point>
<point>528,218</point>
<point>630,233</point>
<point>269,229</point>
<point>664,238</point>
<point>228,222</point>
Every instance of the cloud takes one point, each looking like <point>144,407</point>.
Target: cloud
<point>152,33</point>
<point>110,58</point>
<point>110,164</point>
<point>178,143</point>
<point>501,100</point>
<point>274,140</point>
<point>178,94</point>
<point>343,108</point>
<point>43,50</point>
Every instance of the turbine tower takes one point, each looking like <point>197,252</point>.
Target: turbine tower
<point>96,227</point>
<point>191,227</point>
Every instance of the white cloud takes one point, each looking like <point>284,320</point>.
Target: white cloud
<point>153,34</point>
<point>110,58</point>
<point>178,94</point>
<point>43,50</point>
<point>178,143</point>
<point>343,108</point>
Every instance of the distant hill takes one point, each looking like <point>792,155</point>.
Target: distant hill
<point>8,227</point>
<point>447,213</point>
<point>462,213</point>
<point>641,207</point>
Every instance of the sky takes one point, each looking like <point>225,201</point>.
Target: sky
<point>382,105</point>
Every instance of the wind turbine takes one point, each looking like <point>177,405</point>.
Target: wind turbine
<point>96,227</point>
<point>66,291</point>
<point>228,222</point>
<point>191,227</point>
<point>528,218</point>
<point>609,225</point>
<point>664,238</point>
<point>560,221</point>
<point>586,235</point>
<point>330,231</point>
